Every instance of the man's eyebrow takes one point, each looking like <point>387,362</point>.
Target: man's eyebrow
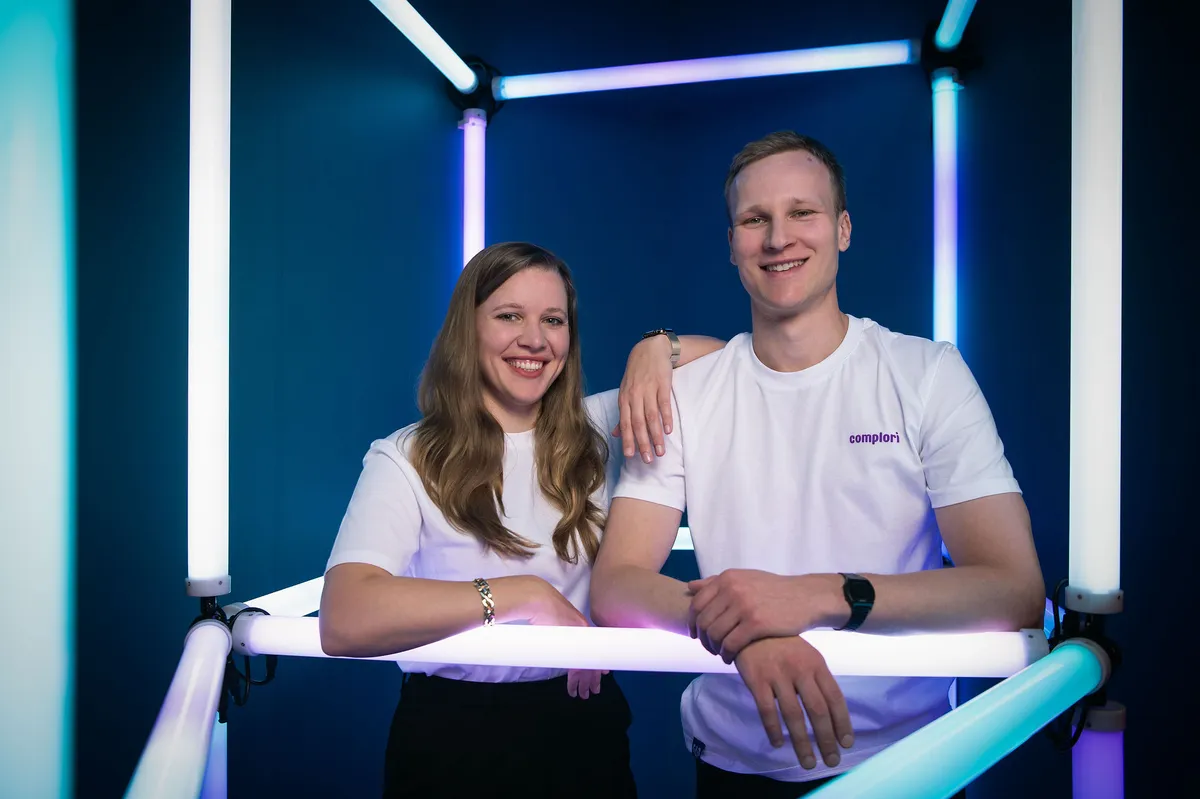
<point>759,210</point>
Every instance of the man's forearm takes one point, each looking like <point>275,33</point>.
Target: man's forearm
<point>960,599</point>
<point>632,596</point>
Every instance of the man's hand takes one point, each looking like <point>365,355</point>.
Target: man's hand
<point>739,606</point>
<point>782,673</point>
<point>645,399</point>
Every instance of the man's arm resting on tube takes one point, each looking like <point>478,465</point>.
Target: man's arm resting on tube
<point>995,585</point>
<point>627,589</point>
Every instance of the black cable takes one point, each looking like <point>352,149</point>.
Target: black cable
<point>1063,732</point>
<point>1054,606</point>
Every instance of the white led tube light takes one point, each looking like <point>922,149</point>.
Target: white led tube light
<point>431,45</point>
<point>173,762</point>
<point>699,70</point>
<point>208,301</point>
<point>37,397</point>
<point>305,598</point>
<point>621,649</point>
<point>1096,156</point>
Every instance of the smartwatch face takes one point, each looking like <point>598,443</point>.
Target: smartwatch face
<point>859,590</point>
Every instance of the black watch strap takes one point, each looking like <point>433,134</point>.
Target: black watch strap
<point>860,596</point>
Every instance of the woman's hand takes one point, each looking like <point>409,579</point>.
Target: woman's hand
<point>645,399</point>
<point>548,607</point>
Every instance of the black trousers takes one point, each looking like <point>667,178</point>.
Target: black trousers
<point>457,738</point>
<point>715,783</point>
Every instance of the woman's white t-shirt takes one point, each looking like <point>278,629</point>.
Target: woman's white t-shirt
<point>392,523</point>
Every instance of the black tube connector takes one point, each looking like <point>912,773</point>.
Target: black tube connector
<point>963,59</point>
<point>482,98</point>
<point>1064,731</point>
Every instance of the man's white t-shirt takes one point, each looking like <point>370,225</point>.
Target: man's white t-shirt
<point>392,523</point>
<point>836,468</point>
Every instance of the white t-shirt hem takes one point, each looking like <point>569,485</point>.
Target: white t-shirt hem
<point>794,773</point>
<point>648,494</point>
<point>365,556</point>
<point>985,488</point>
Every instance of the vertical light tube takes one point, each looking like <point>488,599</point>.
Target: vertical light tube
<point>474,128</point>
<point>1098,765</point>
<point>208,301</point>
<point>1096,178</point>
<point>37,374</point>
<point>945,206</point>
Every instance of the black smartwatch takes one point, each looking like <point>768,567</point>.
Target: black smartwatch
<point>860,595</point>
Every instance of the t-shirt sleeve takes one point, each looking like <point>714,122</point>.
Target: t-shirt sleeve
<point>961,450</point>
<point>661,480</point>
<point>604,414</point>
<point>382,524</point>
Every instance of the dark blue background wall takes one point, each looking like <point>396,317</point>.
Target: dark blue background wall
<point>345,241</point>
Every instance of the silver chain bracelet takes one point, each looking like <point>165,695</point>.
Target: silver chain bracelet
<point>489,604</point>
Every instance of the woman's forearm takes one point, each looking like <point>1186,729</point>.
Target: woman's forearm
<point>371,613</point>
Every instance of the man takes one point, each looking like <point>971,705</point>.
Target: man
<point>823,460</point>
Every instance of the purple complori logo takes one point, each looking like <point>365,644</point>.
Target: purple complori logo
<point>875,438</point>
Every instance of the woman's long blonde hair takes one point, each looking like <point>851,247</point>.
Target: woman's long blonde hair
<point>458,447</point>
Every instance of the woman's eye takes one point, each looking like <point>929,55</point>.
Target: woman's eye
<point>556,321</point>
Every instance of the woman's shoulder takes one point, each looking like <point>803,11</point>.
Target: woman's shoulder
<point>602,409</point>
<point>396,446</point>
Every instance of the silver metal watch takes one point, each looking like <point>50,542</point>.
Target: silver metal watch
<point>674,339</point>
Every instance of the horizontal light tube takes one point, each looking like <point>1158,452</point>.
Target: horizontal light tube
<point>305,598</point>
<point>432,46</point>
<point>943,756</point>
<point>173,763</point>
<point>298,600</point>
<point>848,654</point>
<point>1096,195</point>
<point>208,300</point>
<point>699,70</point>
<point>954,21</point>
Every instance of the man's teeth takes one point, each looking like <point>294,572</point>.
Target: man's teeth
<point>785,266</point>
<point>527,366</point>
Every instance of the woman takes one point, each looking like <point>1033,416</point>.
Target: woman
<point>490,509</point>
